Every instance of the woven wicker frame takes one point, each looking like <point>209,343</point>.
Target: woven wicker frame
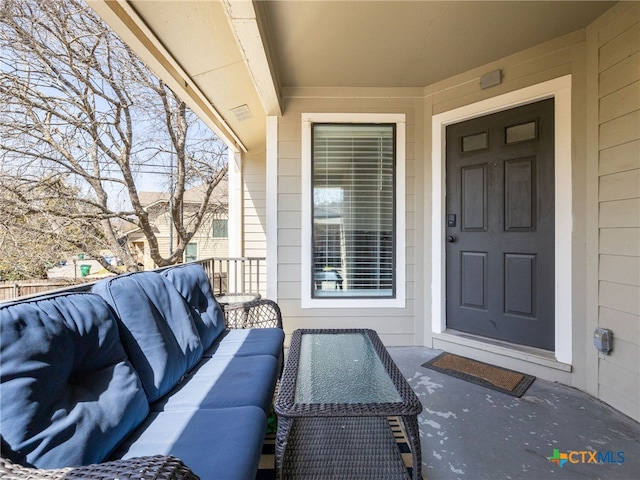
<point>288,411</point>
<point>333,447</point>
<point>157,467</point>
<point>260,313</point>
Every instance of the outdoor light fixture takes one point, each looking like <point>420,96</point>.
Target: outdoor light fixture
<point>491,79</point>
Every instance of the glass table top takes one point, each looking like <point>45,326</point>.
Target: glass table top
<point>233,298</point>
<point>341,368</point>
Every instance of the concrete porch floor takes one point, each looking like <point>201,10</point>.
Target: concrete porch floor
<point>471,432</point>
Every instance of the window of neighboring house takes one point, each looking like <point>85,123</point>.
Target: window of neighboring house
<point>220,228</point>
<point>191,252</point>
<point>355,205</point>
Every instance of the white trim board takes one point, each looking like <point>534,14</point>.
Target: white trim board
<point>272,207</point>
<point>236,209</point>
<point>560,90</point>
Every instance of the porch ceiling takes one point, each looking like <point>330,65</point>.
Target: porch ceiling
<point>222,54</point>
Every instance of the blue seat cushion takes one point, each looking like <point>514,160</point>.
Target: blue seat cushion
<point>224,381</point>
<point>192,282</point>
<point>157,328</point>
<point>247,342</point>
<point>69,394</point>
<point>216,444</point>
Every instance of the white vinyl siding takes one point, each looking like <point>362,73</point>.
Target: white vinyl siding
<point>619,208</point>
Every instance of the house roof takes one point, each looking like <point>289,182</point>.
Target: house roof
<point>192,195</point>
<point>155,202</point>
<point>232,59</point>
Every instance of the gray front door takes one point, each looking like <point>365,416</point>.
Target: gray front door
<point>500,225</point>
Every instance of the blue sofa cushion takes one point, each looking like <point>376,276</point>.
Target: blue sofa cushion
<point>248,342</point>
<point>69,394</point>
<point>225,381</point>
<point>192,282</point>
<point>157,328</point>
<point>216,444</point>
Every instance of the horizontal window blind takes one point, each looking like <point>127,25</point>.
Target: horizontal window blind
<point>353,210</point>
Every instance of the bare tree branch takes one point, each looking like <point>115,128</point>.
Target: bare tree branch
<point>81,117</point>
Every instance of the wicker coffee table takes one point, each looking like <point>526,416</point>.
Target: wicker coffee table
<point>336,392</point>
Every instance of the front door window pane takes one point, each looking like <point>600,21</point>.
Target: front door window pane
<point>353,210</point>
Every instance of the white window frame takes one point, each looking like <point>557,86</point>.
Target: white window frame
<point>306,260</point>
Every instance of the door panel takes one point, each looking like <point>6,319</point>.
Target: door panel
<point>520,284</point>
<point>520,194</point>
<point>474,280</point>
<point>500,254</point>
<point>474,198</point>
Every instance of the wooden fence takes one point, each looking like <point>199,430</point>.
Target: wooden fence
<point>9,290</point>
<point>227,275</point>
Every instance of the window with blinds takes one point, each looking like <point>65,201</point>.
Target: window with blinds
<point>353,205</point>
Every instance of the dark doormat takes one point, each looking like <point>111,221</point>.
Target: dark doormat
<point>267,470</point>
<point>497,378</point>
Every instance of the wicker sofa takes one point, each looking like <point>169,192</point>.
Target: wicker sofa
<point>139,378</point>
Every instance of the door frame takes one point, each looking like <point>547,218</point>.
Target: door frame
<point>560,89</point>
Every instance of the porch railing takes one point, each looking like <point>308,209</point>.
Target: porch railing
<point>236,275</point>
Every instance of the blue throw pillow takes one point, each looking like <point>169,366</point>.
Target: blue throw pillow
<point>157,328</point>
<point>69,394</point>
<point>193,284</point>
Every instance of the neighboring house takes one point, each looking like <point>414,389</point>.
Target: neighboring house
<point>473,167</point>
<point>211,239</point>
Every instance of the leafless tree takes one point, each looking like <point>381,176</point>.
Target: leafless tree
<point>31,239</point>
<point>82,121</point>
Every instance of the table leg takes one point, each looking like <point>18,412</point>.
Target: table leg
<point>284,424</point>
<point>413,432</point>
<point>245,318</point>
